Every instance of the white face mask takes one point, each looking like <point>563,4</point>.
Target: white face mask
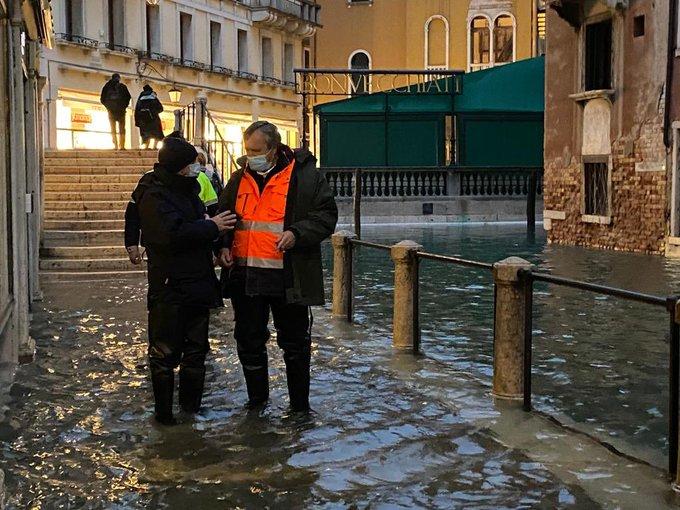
<point>259,164</point>
<point>194,170</point>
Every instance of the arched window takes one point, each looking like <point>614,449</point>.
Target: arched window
<point>503,39</point>
<point>437,43</point>
<point>360,82</point>
<point>480,39</point>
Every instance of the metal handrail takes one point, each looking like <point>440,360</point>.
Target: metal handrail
<point>527,277</point>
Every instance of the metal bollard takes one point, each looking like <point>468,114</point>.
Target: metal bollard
<point>342,274</point>
<point>406,331</point>
<point>508,330</point>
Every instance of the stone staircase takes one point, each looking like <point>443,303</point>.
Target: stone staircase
<point>85,195</point>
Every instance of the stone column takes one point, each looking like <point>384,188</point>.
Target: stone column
<point>341,272</point>
<point>33,171</point>
<point>199,125</point>
<point>508,355</point>
<point>405,279</point>
<point>20,315</point>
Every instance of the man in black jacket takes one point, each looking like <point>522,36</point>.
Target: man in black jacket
<point>273,259</point>
<point>115,97</point>
<point>179,241</point>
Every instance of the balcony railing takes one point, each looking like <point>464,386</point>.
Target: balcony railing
<point>301,9</point>
<point>435,181</point>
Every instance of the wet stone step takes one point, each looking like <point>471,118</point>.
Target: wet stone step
<point>84,224</point>
<point>85,162</point>
<point>131,178</point>
<point>87,196</point>
<point>84,264</point>
<point>56,238</point>
<point>77,186</point>
<point>83,215</point>
<point>83,252</point>
<point>97,170</point>
<point>47,276</point>
<point>94,153</point>
<point>87,205</point>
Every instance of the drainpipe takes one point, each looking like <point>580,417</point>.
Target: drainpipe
<point>672,34</point>
<point>20,290</point>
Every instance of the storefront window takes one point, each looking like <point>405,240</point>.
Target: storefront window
<point>84,124</point>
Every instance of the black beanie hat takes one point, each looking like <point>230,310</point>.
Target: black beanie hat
<point>176,153</point>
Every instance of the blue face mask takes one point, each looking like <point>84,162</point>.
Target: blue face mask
<point>259,163</point>
<point>194,170</point>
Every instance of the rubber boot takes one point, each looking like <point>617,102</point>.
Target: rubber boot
<point>191,382</point>
<point>257,383</point>
<point>297,375</point>
<point>163,381</point>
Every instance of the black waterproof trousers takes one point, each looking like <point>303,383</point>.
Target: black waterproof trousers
<point>292,335</point>
<point>178,336</point>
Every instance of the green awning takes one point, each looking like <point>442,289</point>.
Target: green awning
<point>516,87</point>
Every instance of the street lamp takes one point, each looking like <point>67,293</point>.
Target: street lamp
<point>175,94</point>
<point>153,2</point>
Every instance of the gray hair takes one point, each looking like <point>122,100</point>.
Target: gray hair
<point>269,130</point>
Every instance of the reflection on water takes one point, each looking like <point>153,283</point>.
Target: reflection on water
<point>78,433</point>
<point>390,431</point>
<point>599,361</point>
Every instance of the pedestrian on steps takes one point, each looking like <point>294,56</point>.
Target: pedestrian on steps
<point>179,240</point>
<point>115,97</point>
<point>272,262</point>
<point>147,118</point>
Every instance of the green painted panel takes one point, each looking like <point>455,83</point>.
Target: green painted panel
<point>415,142</point>
<point>370,103</point>
<point>419,103</point>
<point>354,141</point>
<point>501,140</point>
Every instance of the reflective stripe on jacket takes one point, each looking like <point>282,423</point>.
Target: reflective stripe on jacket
<point>261,219</point>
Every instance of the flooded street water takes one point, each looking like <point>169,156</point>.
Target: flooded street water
<point>389,430</point>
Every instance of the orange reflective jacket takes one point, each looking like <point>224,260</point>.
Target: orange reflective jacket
<point>261,220</point>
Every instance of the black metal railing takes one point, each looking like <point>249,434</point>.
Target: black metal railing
<point>527,278</point>
<point>199,127</point>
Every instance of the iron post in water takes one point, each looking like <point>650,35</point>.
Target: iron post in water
<point>509,329</point>
<point>531,202</point>
<point>673,381</point>
<point>342,273</point>
<point>357,202</point>
<point>416,305</point>
<point>528,286</point>
<point>404,254</point>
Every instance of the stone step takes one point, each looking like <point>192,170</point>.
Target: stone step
<point>86,162</point>
<point>60,276</point>
<point>99,264</point>
<point>83,252</point>
<point>79,186</point>
<point>117,224</point>
<point>130,179</point>
<point>59,238</point>
<point>97,170</point>
<point>66,214</point>
<point>87,205</point>
<point>97,153</point>
<point>87,196</point>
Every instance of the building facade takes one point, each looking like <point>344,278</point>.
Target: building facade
<point>607,157</point>
<point>24,27</point>
<point>428,34</point>
<point>239,54</point>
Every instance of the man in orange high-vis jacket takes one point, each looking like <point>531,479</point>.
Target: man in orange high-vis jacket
<point>272,262</point>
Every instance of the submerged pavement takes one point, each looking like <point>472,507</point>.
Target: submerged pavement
<point>389,430</point>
